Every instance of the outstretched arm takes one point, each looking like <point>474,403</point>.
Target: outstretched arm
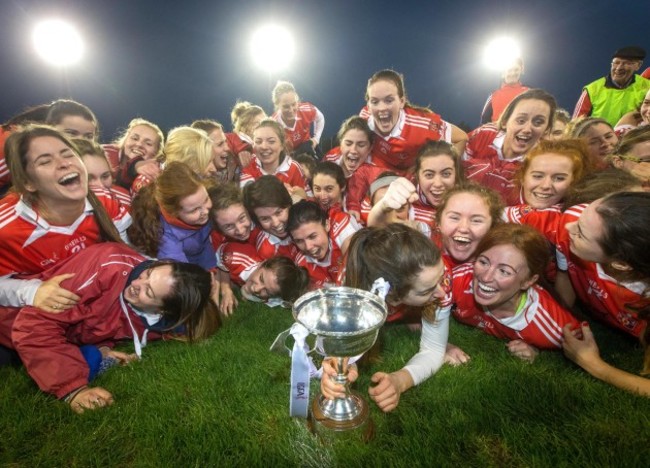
<point>584,352</point>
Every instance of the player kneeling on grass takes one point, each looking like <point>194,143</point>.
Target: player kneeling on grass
<point>123,296</point>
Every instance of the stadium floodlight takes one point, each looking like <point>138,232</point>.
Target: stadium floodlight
<point>272,48</point>
<point>501,53</point>
<point>57,42</point>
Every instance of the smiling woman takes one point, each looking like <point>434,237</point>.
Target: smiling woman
<point>494,151</point>
<point>498,292</point>
<point>52,207</point>
<point>171,218</point>
<point>418,278</point>
<point>401,127</point>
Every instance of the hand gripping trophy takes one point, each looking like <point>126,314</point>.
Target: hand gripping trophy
<point>346,322</point>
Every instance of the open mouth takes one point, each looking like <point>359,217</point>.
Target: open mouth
<point>352,161</point>
<point>461,241</point>
<point>384,119</point>
<point>484,290</point>
<point>70,179</point>
<point>437,196</point>
<point>523,140</point>
<point>280,231</point>
<point>543,198</point>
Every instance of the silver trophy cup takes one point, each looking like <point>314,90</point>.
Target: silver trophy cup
<point>346,322</point>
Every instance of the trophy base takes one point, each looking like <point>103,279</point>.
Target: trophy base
<point>360,427</point>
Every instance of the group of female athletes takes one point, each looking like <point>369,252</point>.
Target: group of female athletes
<point>528,228</point>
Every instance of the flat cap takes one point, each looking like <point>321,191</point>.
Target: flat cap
<point>630,52</point>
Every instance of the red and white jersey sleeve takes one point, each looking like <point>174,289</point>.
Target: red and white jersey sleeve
<point>139,183</point>
<point>583,106</point>
<point>334,155</point>
<point>539,322</point>
<point>485,164</point>
<point>239,260</point>
<point>545,221</point>
<point>300,132</point>
<point>613,302</point>
<point>121,195</point>
<point>414,128</point>
<point>342,226</point>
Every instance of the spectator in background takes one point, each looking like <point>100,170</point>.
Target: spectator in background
<point>510,88</point>
<point>619,92</point>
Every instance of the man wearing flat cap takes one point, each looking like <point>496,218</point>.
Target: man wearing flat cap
<point>617,93</point>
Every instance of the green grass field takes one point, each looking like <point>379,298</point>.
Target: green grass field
<point>225,403</point>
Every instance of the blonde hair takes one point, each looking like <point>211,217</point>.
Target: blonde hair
<point>242,114</point>
<point>190,146</point>
<point>137,122</point>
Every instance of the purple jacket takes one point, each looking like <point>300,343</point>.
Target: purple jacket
<point>186,245</point>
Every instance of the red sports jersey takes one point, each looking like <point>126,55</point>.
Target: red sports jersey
<point>423,211</point>
<point>139,183</point>
<point>29,244</point>
<point>342,226</point>
<point>398,150</point>
<point>121,194</point>
<point>609,300</point>
<point>539,323</point>
<point>268,246</point>
<point>546,221</point>
<point>288,172</point>
<point>359,184</point>
<point>112,153</point>
<point>238,142</point>
<point>322,273</point>
<point>239,260</point>
<point>300,132</point>
<point>334,155</point>
<point>485,163</point>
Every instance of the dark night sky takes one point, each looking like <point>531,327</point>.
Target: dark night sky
<point>172,62</point>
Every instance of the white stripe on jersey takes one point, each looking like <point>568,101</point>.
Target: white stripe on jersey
<point>548,326</point>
